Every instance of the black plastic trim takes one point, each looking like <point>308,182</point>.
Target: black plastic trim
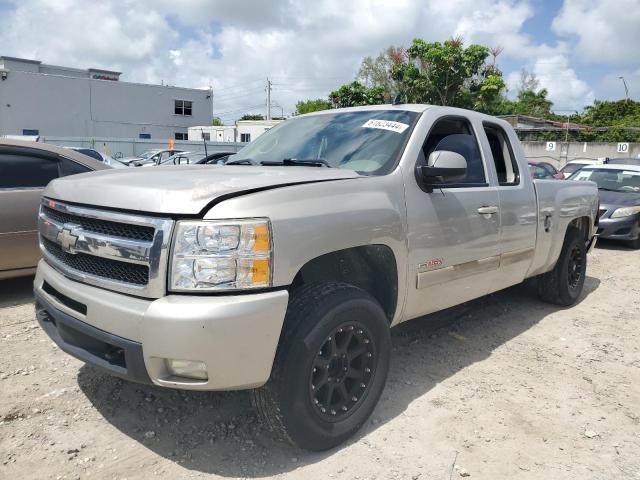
<point>84,342</point>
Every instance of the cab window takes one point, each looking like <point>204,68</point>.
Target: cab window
<point>502,153</point>
<point>456,135</point>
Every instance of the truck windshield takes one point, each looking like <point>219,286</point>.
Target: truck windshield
<point>368,142</point>
<point>610,179</point>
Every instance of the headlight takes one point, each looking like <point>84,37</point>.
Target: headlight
<point>625,212</point>
<point>221,255</point>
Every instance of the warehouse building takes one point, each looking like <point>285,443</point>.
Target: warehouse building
<point>40,99</point>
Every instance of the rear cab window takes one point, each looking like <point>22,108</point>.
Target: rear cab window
<point>504,159</point>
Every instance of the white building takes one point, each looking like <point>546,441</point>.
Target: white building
<point>39,99</point>
<point>225,133</point>
<point>249,130</point>
<point>243,131</point>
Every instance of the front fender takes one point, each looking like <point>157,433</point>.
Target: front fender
<point>315,219</point>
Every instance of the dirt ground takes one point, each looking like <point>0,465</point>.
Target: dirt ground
<point>504,387</point>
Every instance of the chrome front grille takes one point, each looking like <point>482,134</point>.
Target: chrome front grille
<point>100,267</point>
<point>105,227</point>
<point>116,251</point>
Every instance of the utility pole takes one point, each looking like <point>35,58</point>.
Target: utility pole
<point>626,90</point>
<point>268,99</point>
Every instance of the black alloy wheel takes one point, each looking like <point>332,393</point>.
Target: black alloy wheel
<point>342,371</point>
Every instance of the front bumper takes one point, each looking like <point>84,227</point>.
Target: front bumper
<point>236,336</point>
<point>624,228</point>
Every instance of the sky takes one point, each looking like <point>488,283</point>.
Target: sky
<point>578,49</point>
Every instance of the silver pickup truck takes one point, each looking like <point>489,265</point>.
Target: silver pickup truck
<point>283,271</point>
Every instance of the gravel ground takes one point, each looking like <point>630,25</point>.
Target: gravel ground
<point>503,387</point>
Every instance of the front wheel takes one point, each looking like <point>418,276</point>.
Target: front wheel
<point>330,368</point>
<point>563,285</point>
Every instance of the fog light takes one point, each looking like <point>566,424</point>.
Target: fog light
<point>187,369</point>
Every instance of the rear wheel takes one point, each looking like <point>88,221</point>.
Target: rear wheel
<point>563,285</point>
<point>330,368</point>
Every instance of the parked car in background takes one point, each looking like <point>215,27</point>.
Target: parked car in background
<point>619,190</point>
<point>25,169</point>
<point>197,158</point>
<point>101,157</point>
<point>623,161</point>
<point>150,157</point>
<point>544,170</point>
<point>575,165</point>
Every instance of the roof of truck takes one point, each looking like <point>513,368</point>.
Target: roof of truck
<point>413,107</point>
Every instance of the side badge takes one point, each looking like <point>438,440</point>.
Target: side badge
<point>432,264</point>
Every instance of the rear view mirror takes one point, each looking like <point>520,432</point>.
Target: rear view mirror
<point>442,166</point>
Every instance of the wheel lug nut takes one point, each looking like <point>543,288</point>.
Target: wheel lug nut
<point>354,399</point>
<point>344,408</point>
<point>323,410</point>
<point>315,400</point>
<point>367,370</point>
<point>315,369</point>
<point>359,332</point>
<point>344,368</point>
<point>366,340</point>
<point>362,385</point>
<point>333,412</point>
<point>329,339</point>
<point>368,355</point>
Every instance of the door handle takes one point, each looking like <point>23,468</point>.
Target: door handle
<point>488,210</point>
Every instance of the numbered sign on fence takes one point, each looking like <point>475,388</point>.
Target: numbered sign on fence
<point>623,148</point>
<point>551,146</point>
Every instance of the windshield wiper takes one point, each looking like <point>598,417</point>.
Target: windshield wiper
<point>243,161</point>
<point>310,162</point>
<point>608,189</point>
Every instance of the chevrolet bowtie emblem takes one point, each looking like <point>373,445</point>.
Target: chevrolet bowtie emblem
<point>67,238</point>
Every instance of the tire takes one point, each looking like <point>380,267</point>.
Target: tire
<point>329,328</point>
<point>563,285</point>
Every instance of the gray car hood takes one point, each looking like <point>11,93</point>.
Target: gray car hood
<point>185,189</point>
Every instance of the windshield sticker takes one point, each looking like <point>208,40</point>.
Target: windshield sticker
<point>386,125</point>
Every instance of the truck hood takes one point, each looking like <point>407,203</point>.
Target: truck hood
<point>186,190</point>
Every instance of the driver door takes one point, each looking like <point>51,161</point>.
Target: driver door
<point>453,232</point>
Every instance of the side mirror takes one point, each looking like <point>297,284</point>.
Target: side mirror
<point>442,166</point>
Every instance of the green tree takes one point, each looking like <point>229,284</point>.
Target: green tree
<point>355,94</point>
<point>620,113</point>
<point>534,103</point>
<point>376,72</point>
<point>217,122</point>
<point>308,106</point>
<point>449,74</point>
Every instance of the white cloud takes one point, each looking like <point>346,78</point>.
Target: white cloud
<point>566,90</point>
<point>307,48</point>
<point>608,31</point>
